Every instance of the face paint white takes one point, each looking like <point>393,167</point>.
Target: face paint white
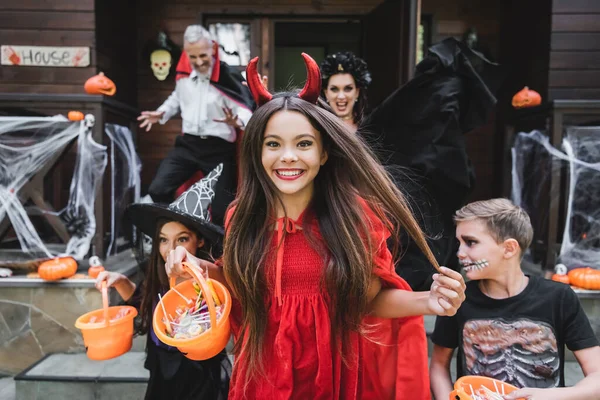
<point>475,265</point>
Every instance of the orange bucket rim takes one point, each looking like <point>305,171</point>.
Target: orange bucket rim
<point>192,341</point>
<point>467,378</point>
<point>218,323</point>
<point>98,325</point>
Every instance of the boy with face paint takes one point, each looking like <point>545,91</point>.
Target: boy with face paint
<point>512,327</point>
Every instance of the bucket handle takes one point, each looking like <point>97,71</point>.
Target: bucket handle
<point>459,394</point>
<point>199,278</point>
<point>105,303</point>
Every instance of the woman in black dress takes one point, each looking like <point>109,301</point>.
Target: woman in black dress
<point>418,133</point>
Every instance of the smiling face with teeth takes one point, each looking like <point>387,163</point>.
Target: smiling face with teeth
<point>292,155</point>
<point>480,255</point>
<point>341,94</point>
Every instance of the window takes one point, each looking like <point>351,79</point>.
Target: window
<point>234,40</point>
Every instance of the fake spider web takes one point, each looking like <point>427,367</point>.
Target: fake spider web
<point>534,161</point>
<point>27,146</point>
<point>125,167</point>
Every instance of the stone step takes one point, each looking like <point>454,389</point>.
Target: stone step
<point>7,388</point>
<point>74,376</point>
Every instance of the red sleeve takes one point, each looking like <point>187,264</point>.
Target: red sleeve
<point>394,358</point>
<point>228,215</point>
<point>383,259</point>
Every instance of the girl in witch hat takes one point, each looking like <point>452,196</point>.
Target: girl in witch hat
<point>321,313</point>
<point>186,222</point>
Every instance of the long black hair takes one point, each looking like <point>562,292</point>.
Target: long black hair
<point>348,63</point>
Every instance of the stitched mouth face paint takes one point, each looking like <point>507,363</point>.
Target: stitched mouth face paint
<point>475,265</point>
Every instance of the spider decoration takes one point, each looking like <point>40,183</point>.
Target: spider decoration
<point>76,222</point>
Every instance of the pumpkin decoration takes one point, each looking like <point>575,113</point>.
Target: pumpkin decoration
<point>561,274</point>
<point>57,268</point>
<point>561,278</point>
<point>585,278</point>
<point>100,84</point>
<point>526,98</point>
<point>95,267</point>
<point>75,116</point>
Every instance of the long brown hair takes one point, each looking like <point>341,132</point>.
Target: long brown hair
<point>350,171</point>
<point>156,280</point>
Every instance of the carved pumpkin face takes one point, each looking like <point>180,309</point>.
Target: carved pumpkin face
<point>526,98</point>
<point>100,84</point>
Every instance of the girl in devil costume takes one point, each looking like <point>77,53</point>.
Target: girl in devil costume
<point>321,313</point>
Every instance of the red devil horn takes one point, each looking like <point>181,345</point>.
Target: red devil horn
<point>260,94</point>
<point>312,87</point>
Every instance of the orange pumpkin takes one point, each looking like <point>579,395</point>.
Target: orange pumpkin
<point>57,268</point>
<point>585,278</point>
<point>526,98</point>
<point>561,278</point>
<point>95,270</point>
<point>100,84</point>
<point>75,116</point>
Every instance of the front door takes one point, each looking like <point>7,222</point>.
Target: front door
<point>389,46</point>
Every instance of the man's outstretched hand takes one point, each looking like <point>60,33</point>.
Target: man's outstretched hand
<point>149,117</point>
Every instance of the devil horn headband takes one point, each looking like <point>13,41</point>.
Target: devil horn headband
<point>310,92</point>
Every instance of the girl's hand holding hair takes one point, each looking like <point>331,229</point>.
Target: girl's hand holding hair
<point>445,297</point>
<point>447,292</point>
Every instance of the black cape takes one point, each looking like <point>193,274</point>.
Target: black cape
<point>226,79</point>
<point>418,132</point>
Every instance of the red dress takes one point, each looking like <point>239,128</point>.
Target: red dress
<point>302,361</point>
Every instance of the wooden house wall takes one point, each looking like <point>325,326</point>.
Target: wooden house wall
<point>574,71</point>
<point>47,23</point>
<point>116,47</point>
<point>106,26</point>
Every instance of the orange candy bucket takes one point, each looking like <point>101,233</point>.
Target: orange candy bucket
<point>467,386</point>
<point>210,342</point>
<point>110,337</point>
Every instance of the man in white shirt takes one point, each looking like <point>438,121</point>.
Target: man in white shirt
<point>214,106</point>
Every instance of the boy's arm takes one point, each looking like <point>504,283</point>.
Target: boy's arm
<point>439,372</point>
<point>586,389</point>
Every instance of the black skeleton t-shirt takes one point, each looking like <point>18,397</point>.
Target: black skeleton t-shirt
<point>519,340</point>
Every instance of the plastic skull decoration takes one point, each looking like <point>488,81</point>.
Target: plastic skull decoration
<point>160,62</point>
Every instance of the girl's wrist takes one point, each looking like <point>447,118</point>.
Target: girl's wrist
<point>125,288</point>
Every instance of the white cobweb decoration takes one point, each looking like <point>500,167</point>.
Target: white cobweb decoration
<point>534,160</point>
<point>125,168</point>
<point>27,146</point>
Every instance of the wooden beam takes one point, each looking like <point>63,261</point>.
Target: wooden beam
<point>48,5</point>
<point>576,23</point>
<point>61,20</point>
